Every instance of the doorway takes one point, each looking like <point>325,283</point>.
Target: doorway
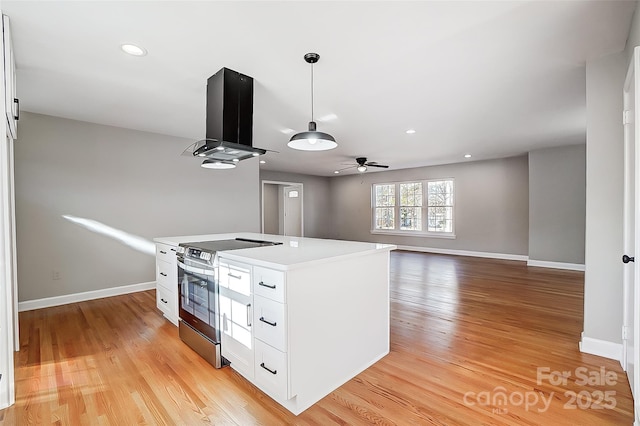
<point>282,208</point>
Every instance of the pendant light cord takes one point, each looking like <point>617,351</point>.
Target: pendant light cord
<point>311,92</point>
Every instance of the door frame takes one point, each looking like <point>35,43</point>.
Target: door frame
<point>282,184</point>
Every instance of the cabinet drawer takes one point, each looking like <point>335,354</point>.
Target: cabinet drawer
<point>269,323</point>
<point>271,373</point>
<point>235,276</point>
<point>165,301</point>
<point>269,283</point>
<point>166,275</point>
<point>166,253</point>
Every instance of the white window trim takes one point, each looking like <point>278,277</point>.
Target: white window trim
<point>402,233</point>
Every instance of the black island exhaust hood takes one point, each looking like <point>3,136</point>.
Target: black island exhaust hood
<point>229,122</point>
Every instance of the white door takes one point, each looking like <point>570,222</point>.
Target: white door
<point>7,261</point>
<point>631,274</point>
<point>293,211</point>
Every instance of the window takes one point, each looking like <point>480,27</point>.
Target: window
<point>421,207</point>
<point>385,206</point>
<point>411,206</point>
<point>440,208</point>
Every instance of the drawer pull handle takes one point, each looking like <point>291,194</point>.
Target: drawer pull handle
<point>237,277</point>
<point>249,315</point>
<point>268,369</point>
<point>163,252</point>
<point>272,324</point>
<point>163,274</point>
<point>266,285</point>
<point>164,301</point>
<point>173,249</point>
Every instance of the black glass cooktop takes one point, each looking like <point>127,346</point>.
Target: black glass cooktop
<point>220,245</point>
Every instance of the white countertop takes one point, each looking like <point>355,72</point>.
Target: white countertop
<point>293,253</point>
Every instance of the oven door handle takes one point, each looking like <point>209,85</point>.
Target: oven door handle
<point>194,270</point>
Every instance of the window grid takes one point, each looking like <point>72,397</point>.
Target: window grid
<point>385,201</point>
<point>419,206</point>
<point>411,206</point>
<point>440,208</point>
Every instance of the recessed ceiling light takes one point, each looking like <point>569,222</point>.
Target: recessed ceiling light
<point>134,50</point>
<point>410,131</point>
<point>467,156</point>
<point>287,131</point>
<point>328,117</point>
<point>263,162</point>
<point>337,171</point>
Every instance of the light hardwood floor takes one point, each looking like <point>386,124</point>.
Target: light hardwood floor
<point>464,332</point>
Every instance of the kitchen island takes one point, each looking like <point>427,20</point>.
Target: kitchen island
<point>318,311</point>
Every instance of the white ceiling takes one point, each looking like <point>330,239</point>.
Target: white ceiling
<point>493,79</point>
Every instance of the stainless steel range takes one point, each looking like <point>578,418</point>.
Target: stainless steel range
<point>198,294</point>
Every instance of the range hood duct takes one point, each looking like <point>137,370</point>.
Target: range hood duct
<point>230,107</point>
<point>229,130</point>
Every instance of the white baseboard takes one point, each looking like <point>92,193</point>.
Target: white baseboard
<point>601,348</point>
<point>504,256</point>
<point>48,302</point>
<point>490,255</point>
<point>556,265</point>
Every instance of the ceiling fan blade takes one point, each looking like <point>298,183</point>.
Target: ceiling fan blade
<point>377,165</point>
<point>346,168</point>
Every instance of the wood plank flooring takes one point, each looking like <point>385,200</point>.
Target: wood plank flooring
<point>468,338</point>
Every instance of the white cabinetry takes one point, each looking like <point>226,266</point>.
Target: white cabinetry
<point>270,322</point>
<point>236,300</point>
<point>11,100</point>
<point>270,318</point>
<point>314,326</point>
<point>167,281</point>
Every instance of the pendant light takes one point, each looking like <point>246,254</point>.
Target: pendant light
<point>312,140</point>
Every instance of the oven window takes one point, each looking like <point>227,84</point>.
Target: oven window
<point>198,297</point>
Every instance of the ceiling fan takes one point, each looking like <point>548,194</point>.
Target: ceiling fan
<point>362,164</point>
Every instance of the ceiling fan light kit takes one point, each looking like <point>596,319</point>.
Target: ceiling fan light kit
<point>312,140</point>
<point>362,165</point>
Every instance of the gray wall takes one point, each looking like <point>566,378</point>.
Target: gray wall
<point>129,180</point>
<point>557,180</point>
<point>605,138</point>
<point>491,205</point>
<point>317,220</point>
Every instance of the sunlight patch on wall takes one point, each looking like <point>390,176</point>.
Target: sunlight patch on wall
<point>135,242</point>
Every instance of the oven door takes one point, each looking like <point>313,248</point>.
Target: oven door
<point>198,297</point>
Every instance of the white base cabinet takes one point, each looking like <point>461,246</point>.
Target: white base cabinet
<point>313,326</point>
<point>167,281</point>
<point>236,302</point>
